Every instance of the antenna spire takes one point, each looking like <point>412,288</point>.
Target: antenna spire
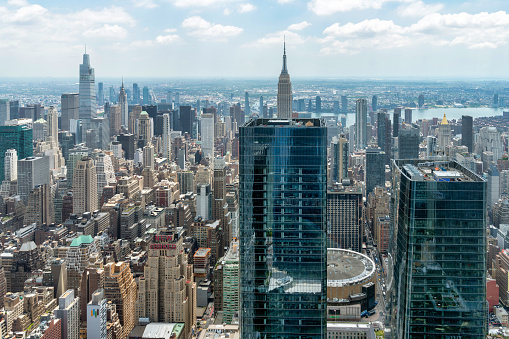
<point>284,70</point>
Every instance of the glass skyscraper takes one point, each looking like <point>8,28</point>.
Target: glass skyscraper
<point>438,259</point>
<point>17,137</point>
<point>283,187</point>
<point>88,104</point>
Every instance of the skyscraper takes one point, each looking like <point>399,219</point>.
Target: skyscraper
<point>146,96</point>
<point>374,103</point>
<point>68,312</point>
<point>361,123</point>
<point>5,111</point>
<point>207,135</point>
<point>284,92</point>
<point>14,109</point>
<point>395,122</point>
<point>186,119</point>
<point>260,113</point>
<point>438,251</point>
<point>444,134</point>
<point>32,171</point>
<point>84,186</point>
<point>144,130</point>
<point>97,316</point>
<point>136,94</point>
<point>11,165</point>
<point>122,102</point>
<point>344,214</point>
<point>467,132</point>
<point>247,108</point>
<point>339,159</point>
<point>53,127</point>
<point>100,94</point>
<point>344,104</point>
<point>420,100</point>
<point>166,136</point>
<point>408,116</point>
<point>283,186</point>
<point>70,109</point>
<point>88,108</point>
<point>375,169</point>
<point>318,105</point>
<point>408,143</point>
<point>115,119</point>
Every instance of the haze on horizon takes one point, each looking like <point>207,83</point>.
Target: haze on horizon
<point>186,39</point>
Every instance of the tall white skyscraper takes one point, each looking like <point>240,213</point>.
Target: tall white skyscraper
<point>122,102</point>
<point>207,135</point>
<point>53,127</point>
<point>361,123</point>
<point>148,157</point>
<point>11,165</point>
<point>284,92</point>
<point>97,316</point>
<point>68,312</point>
<point>88,108</point>
<point>166,136</point>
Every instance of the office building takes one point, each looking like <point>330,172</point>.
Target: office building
<point>84,186</point>
<point>128,145</point>
<point>136,95</point>
<point>115,119</point>
<point>467,132</point>
<point>237,115</point>
<point>361,124</point>
<point>284,92</point>
<point>444,136</point>
<point>148,158</point>
<point>68,312</point>
<point>166,291</point>
<point>32,171</point>
<point>231,283</point>
<point>75,154</point>
<point>122,102</point>
<point>438,252</point>
<point>207,135</point>
<point>339,160</point>
<point>375,169</point>
<point>120,288</point>
<point>70,109</point>
<point>100,94</point>
<point>88,108</point>
<point>345,221</point>
<point>144,130</point>
<point>344,104</point>
<point>18,138</point>
<point>408,116</point>
<point>408,143</point>
<point>283,186</point>
<point>395,122</point>
<point>146,96</point>
<point>186,119</point>
<point>384,134</point>
<point>247,108</point>
<point>374,103</point>
<point>14,109</point>
<point>166,137</point>
<point>40,208</point>
<point>5,111</point>
<point>420,100</point>
<point>97,316</point>
<point>11,165</point>
<point>318,101</point>
<point>489,140</point>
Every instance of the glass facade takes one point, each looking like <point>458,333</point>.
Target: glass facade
<point>17,137</point>
<point>438,260</point>
<point>283,173</point>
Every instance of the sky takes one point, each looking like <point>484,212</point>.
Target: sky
<point>417,39</point>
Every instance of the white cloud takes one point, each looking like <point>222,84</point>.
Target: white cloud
<point>18,3</point>
<point>418,9</point>
<point>198,3</point>
<point>245,8</point>
<point>170,30</point>
<point>106,31</point>
<point>328,7</point>
<point>299,27</point>
<point>277,38</point>
<point>166,39</point>
<point>205,30</point>
<point>145,4</point>
<point>284,2</point>
<point>226,11</point>
<point>473,31</point>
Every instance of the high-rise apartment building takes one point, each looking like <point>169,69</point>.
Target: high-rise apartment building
<point>68,312</point>
<point>88,108</point>
<point>420,100</point>
<point>284,92</point>
<point>467,132</point>
<point>122,102</point>
<point>11,165</point>
<point>146,96</point>
<point>167,292</point>
<point>344,104</point>
<point>14,109</point>
<point>374,103</point>
<point>207,135</point>
<point>115,119</point>
<point>136,94</point>
<point>437,251</point>
<point>84,186</point>
<point>52,136</point>
<point>247,108</point>
<point>70,109</point>
<point>345,220</point>
<point>186,119</point>
<point>18,138</point>
<point>100,94</point>
<point>361,124</point>
<point>40,208</point>
<point>283,263</point>
<point>166,137</point>
<point>231,283</point>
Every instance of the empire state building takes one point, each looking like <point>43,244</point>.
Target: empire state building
<point>284,92</point>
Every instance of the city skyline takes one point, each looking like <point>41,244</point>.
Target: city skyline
<point>326,38</point>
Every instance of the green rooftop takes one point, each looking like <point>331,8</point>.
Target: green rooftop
<point>177,329</point>
<point>82,239</point>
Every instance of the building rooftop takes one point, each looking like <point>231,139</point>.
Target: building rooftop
<point>346,267</point>
<point>82,240</point>
<point>285,122</point>
<point>159,330</point>
<point>429,170</point>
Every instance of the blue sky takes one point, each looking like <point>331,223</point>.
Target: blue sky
<point>243,38</point>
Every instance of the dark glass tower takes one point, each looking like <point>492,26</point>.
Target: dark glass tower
<point>467,132</point>
<point>438,258</point>
<point>283,263</point>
